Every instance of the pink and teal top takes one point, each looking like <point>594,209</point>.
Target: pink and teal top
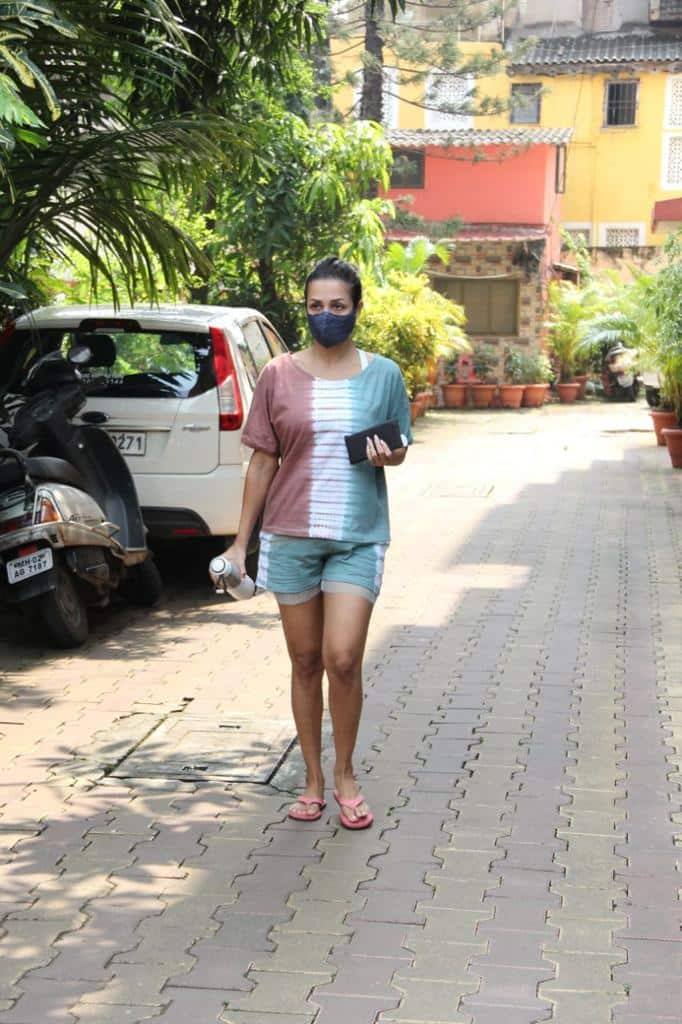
<point>303,420</point>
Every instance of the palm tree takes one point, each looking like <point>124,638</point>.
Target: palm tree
<point>126,100</point>
<point>413,257</point>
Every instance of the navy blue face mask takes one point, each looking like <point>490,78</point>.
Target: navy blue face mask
<point>331,329</point>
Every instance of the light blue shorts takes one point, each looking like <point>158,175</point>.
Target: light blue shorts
<point>295,569</point>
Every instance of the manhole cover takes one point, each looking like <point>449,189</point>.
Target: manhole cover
<point>238,749</point>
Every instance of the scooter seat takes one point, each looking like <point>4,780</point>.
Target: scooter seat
<point>41,467</point>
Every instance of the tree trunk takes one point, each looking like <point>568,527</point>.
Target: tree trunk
<point>322,64</point>
<point>372,100</point>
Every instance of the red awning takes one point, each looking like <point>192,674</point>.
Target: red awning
<point>666,210</point>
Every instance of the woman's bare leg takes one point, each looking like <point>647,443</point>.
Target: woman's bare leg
<point>302,624</point>
<point>346,620</point>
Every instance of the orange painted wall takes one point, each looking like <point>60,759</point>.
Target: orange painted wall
<point>504,188</point>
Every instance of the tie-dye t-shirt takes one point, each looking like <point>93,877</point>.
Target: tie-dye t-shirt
<point>303,420</point>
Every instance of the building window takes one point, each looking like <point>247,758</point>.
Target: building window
<point>408,169</point>
<point>621,104</point>
<point>621,236</point>
<point>491,304</point>
<point>672,159</point>
<point>579,234</point>
<point>665,11</point>
<point>673,102</point>
<point>525,103</point>
<point>444,97</point>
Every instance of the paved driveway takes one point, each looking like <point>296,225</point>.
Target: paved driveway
<point>520,746</point>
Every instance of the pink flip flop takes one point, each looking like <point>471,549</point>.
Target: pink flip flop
<point>353,823</point>
<point>308,801</point>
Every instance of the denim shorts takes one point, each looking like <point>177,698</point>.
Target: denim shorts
<point>295,569</point>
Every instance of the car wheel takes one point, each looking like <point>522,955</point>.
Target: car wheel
<point>142,586</point>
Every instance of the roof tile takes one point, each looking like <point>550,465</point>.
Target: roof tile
<point>471,137</point>
<point>614,48</point>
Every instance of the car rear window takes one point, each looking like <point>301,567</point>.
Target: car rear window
<point>136,363</point>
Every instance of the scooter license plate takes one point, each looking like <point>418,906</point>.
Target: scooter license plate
<point>20,569</point>
<point>129,442</point>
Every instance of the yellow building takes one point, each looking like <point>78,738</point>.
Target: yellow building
<point>621,93</point>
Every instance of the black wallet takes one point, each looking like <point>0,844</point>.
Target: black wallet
<point>357,443</point>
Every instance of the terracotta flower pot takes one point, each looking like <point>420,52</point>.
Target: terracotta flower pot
<point>534,395</point>
<point>422,400</point>
<point>511,395</point>
<point>414,407</point>
<point>673,439</point>
<point>454,395</point>
<point>482,395</point>
<point>662,418</point>
<point>568,392</point>
<point>581,378</point>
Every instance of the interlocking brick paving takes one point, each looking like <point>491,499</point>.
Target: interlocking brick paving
<point>521,747</point>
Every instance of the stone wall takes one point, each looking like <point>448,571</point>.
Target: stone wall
<point>505,259</point>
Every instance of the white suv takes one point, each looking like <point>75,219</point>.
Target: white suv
<point>174,399</point>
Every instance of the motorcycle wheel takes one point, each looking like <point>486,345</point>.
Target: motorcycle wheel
<point>63,612</point>
<point>142,586</point>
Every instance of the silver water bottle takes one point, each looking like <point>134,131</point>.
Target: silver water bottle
<point>228,580</point>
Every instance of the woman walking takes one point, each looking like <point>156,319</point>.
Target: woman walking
<point>325,521</point>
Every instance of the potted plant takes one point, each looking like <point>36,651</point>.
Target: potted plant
<point>569,306</point>
<point>666,346</point>
<point>536,372</point>
<point>484,364</point>
<point>511,390</point>
<point>454,392</point>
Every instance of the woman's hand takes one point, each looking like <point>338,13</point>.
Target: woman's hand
<point>236,554</point>
<point>379,454</point>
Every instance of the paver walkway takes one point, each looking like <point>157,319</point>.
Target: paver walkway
<point>520,746</point>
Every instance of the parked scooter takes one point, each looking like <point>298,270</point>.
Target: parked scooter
<point>619,381</point>
<point>71,529</point>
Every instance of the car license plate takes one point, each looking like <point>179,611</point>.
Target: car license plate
<point>29,565</point>
<point>129,442</point>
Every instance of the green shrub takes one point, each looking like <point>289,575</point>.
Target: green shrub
<point>534,368</point>
<point>412,324</point>
<point>513,365</point>
<point>484,361</point>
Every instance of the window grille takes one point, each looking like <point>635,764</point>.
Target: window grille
<point>621,103</point>
<point>445,94</point>
<point>675,102</point>
<point>525,108</point>
<point>667,11</point>
<point>579,235</point>
<point>621,238</point>
<point>390,86</point>
<point>673,174</point>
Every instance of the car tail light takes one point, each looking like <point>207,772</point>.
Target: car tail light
<point>230,408</point>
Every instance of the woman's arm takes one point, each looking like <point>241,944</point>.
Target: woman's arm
<point>259,476</point>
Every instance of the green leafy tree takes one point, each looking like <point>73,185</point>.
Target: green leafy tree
<point>307,200</point>
<point>664,301</point>
<point>149,96</point>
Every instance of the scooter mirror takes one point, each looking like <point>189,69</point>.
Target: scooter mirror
<point>80,354</point>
